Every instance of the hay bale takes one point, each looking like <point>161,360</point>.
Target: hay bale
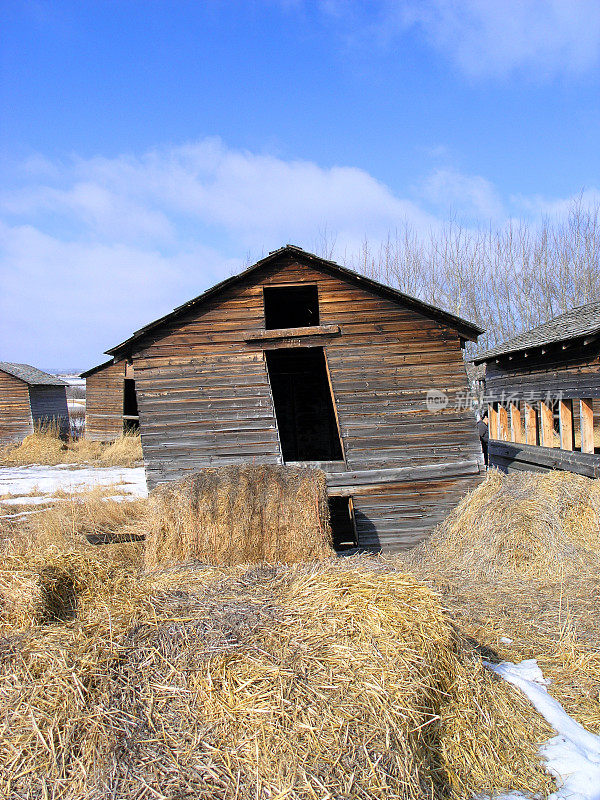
<point>337,679</point>
<point>240,514</point>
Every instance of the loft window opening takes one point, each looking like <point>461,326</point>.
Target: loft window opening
<point>131,418</point>
<point>291,306</point>
<point>303,403</point>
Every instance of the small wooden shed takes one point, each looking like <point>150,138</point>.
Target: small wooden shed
<point>110,400</point>
<point>543,395</point>
<point>298,360</point>
<point>30,398</point>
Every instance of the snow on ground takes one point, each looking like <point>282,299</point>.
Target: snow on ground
<point>573,757</point>
<point>128,482</point>
<point>72,380</point>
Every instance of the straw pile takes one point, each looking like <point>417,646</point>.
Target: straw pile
<point>518,565</point>
<point>341,679</point>
<point>240,514</point>
<point>542,526</point>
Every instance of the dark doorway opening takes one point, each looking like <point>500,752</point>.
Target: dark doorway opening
<point>343,526</point>
<point>131,415</point>
<point>291,306</point>
<point>306,420</point>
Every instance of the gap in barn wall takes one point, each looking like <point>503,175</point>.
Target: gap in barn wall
<point>131,414</point>
<point>343,525</point>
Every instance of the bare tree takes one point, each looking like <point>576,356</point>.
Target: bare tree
<point>504,279</point>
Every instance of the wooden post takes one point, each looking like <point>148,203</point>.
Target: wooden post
<point>547,425</point>
<point>516,427</point>
<point>502,423</point>
<point>530,425</point>
<point>586,415</point>
<point>565,412</point>
<point>492,421</point>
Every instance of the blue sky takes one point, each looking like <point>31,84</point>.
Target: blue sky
<point>149,149</point>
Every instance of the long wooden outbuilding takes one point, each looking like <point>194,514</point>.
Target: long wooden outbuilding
<point>30,398</point>
<point>300,360</point>
<point>543,393</point>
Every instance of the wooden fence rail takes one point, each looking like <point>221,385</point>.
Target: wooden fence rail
<point>522,434</point>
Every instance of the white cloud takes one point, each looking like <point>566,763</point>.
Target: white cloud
<point>537,206</point>
<point>491,37</point>
<point>91,249</point>
<point>538,38</point>
<point>250,195</point>
<point>468,196</point>
<point>64,303</point>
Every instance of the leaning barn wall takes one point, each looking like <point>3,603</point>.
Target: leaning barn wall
<point>204,400</point>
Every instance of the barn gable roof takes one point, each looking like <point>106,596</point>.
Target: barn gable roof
<point>579,322</point>
<point>466,329</point>
<point>97,368</point>
<point>30,375</point>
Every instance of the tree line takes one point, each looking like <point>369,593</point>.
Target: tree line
<point>505,279</point>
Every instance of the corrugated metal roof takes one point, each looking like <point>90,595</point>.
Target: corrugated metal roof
<point>30,375</point>
<point>574,324</point>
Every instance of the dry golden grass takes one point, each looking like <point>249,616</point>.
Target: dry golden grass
<point>240,514</point>
<point>46,447</point>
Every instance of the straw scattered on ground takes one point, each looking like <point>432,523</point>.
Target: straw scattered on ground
<point>346,678</point>
<point>518,565</point>
<point>46,447</point>
<point>331,678</point>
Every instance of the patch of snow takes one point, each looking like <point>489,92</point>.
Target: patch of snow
<point>20,514</point>
<point>34,500</point>
<point>505,640</point>
<point>21,481</point>
<point>72,380</point>
<point>573,757</point>
<point>510,796</point>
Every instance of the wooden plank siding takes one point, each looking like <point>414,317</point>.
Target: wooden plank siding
<point>205,400</point>
<point>15,411</point>
<point>49,406</point>
<point>571,375</point>
<point>104,403</point>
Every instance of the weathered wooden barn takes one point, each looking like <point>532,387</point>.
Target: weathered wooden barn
<point>299,360</point>
<point>543,391</point>
<point>110,400</point>
<point>30,398</point>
